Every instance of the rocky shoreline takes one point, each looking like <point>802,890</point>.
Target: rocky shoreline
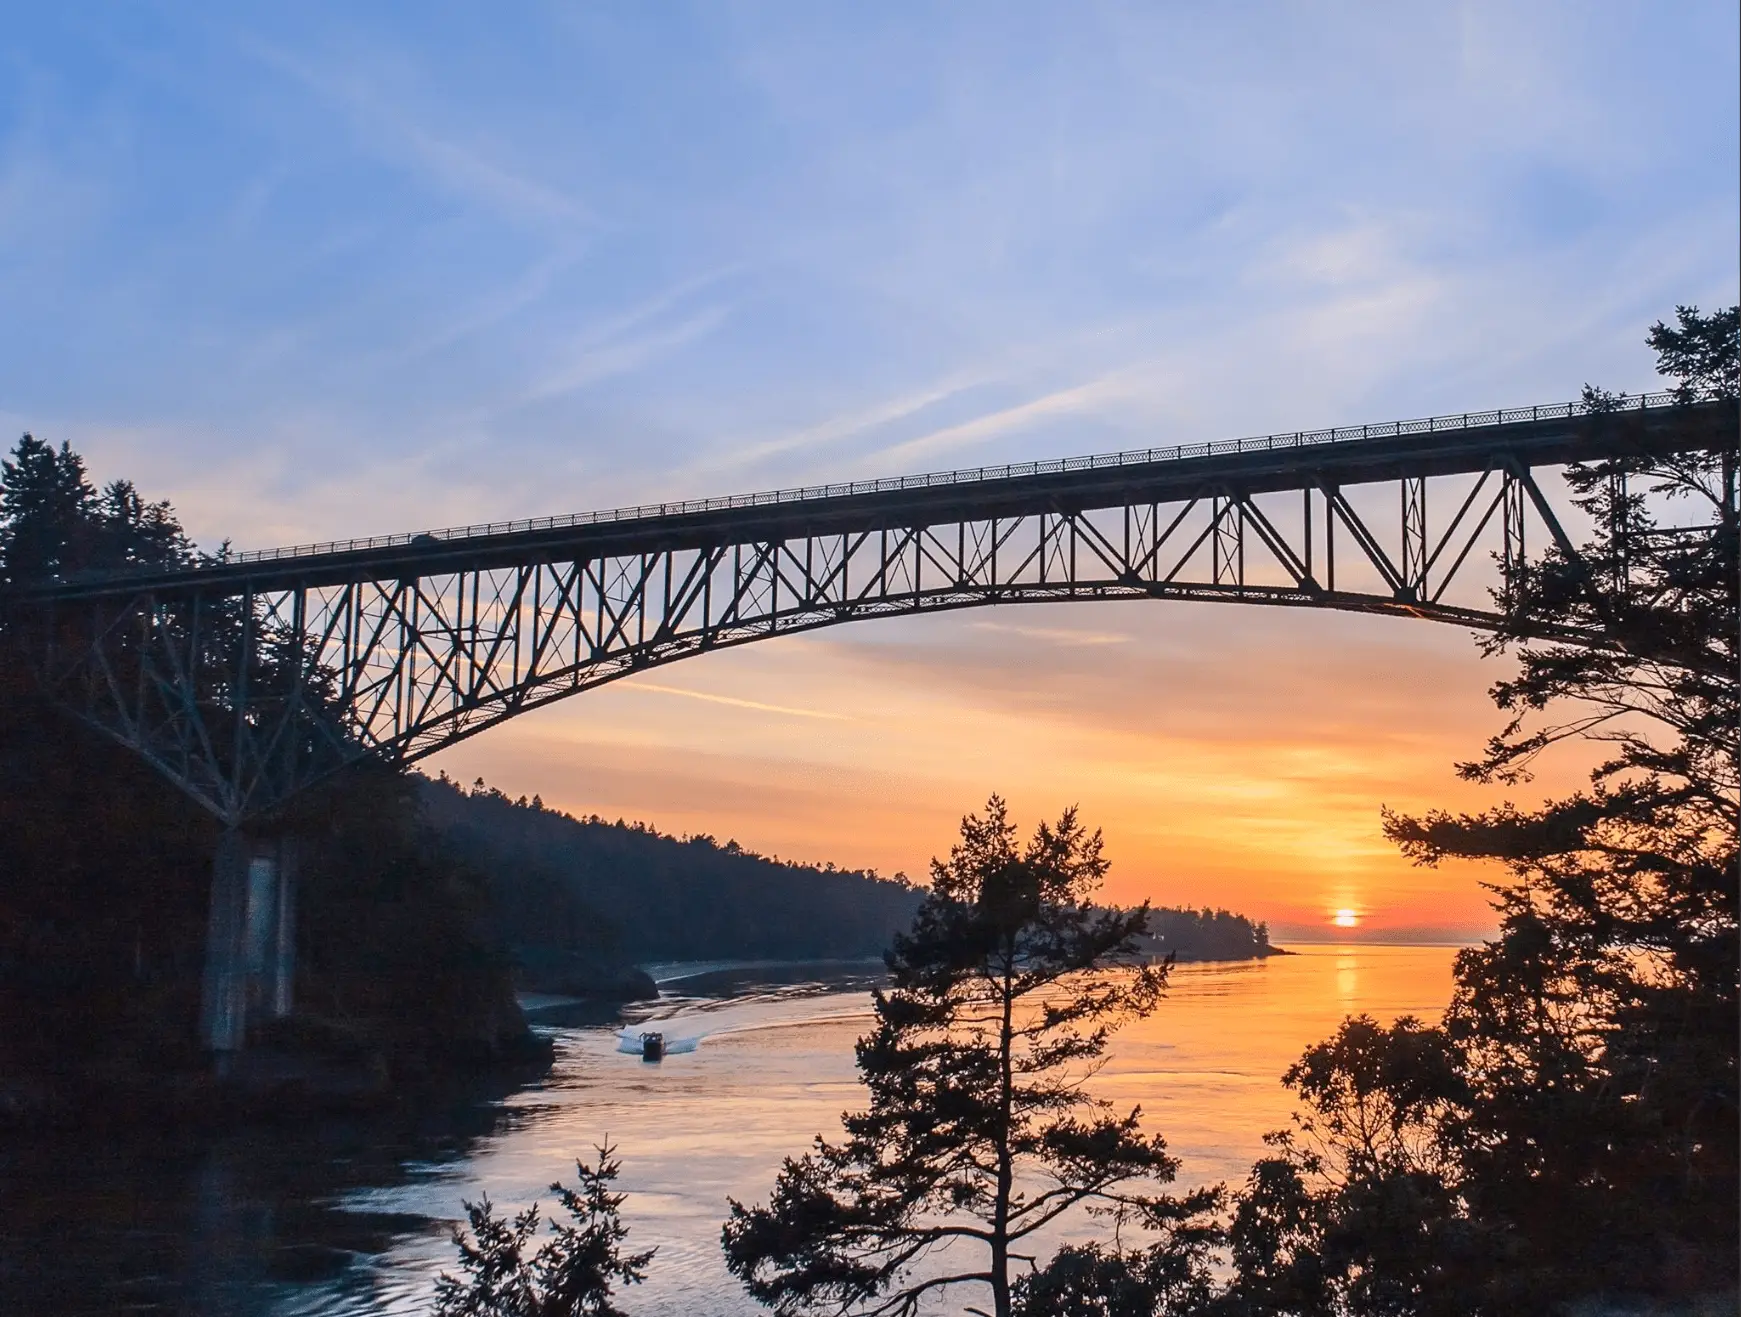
<point>554,972</point>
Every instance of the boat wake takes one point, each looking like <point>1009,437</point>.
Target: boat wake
<point>629,1039</point>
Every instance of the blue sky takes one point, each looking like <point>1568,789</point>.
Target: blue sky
<point>315,270</point>
<point>526,258</point>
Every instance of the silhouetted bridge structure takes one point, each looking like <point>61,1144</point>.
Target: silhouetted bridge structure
<point>248,679</point>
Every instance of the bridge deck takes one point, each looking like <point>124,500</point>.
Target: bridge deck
<point>1433,446</point>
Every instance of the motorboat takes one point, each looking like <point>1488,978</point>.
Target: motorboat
<point>672,1039</point>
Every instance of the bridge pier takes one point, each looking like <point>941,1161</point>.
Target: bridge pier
<point>250,964</point>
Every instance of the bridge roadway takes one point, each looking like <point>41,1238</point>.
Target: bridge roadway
<point>1470,442</point>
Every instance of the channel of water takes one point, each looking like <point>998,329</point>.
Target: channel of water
<point>352,1217</point>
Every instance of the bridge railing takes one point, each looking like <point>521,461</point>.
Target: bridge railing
<point>965,475</point>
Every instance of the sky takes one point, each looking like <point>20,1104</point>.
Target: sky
<point>329,270</point>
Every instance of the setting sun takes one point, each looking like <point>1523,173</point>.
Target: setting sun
<point>1346,919</point>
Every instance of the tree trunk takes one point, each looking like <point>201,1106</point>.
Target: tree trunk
<point>1000,1227</point>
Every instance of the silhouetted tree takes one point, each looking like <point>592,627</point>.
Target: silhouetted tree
<point>1581,1118</point>
<point>980,1131</point>
<point>47,508</point>
<point>1357,1210</point>
<point>572,1274</point>
<point>1204,935</point>
<point>1600,1028</point>
<point>54,523</point>
<point>1171,1277</point>
<point>129,532</point>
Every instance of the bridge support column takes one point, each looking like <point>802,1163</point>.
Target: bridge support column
<point>250,940</point>
<point>224,993</point>
<point>281,963</point>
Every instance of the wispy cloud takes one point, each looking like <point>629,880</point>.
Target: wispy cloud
<point>1055,635</point>
<point>1079,398</point>
<point>612,346</point>
<point>1361,250</point>
<point>389,128</point>
<point>594,362</point>
<point>654,305</point>
<point>734,702</point>
<point>848,424</point>
<point>501,304</point>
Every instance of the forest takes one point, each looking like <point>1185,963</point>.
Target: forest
<point>107,871</point>
<point>1204,935</point>
<point>621,892</point>
<point>628,892</point>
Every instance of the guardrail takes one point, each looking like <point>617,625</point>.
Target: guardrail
<point>967,475</point>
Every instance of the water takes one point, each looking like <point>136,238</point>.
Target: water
<point>352,1217</point>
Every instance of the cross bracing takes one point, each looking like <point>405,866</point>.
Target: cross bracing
<point>248,679</point>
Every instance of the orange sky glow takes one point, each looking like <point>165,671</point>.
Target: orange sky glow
<point>1234,756</point>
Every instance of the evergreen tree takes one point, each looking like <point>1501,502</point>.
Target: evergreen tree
<point>573,1274</point>
<point>47,507</point>
<point>1171,1277</point>
<point>1577,1128</point>
<point>129,532</point>
<point>1357,1209</point>
<point>979,1132</point>
<point>54,523</point>
<point>1600,1028</point>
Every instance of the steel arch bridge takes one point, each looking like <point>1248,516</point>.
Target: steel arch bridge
<point>248,678</point>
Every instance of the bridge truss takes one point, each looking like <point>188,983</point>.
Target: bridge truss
<point>247,679</point>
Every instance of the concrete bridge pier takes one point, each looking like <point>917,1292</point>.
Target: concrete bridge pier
<point>250,940</point>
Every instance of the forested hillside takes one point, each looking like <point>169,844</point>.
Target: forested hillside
<point>626,891</point>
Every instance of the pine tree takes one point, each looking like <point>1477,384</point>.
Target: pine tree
<point>573,1274</point>
<point>54,523</point>
<point>1571,1126</point>
<point>980,1131</point>
<point>47,506</point>
<point>1600,1027</point>
<point>129,532</point>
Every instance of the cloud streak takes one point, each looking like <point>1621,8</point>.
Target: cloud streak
<point>734,702</point>
<point>391,130</point>
<point>845,426</point>
<point>597,361</point>
<point>1056,635</point>
<point>1075,400</point>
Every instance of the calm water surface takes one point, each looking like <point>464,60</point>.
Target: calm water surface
<point>354,1219</point>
